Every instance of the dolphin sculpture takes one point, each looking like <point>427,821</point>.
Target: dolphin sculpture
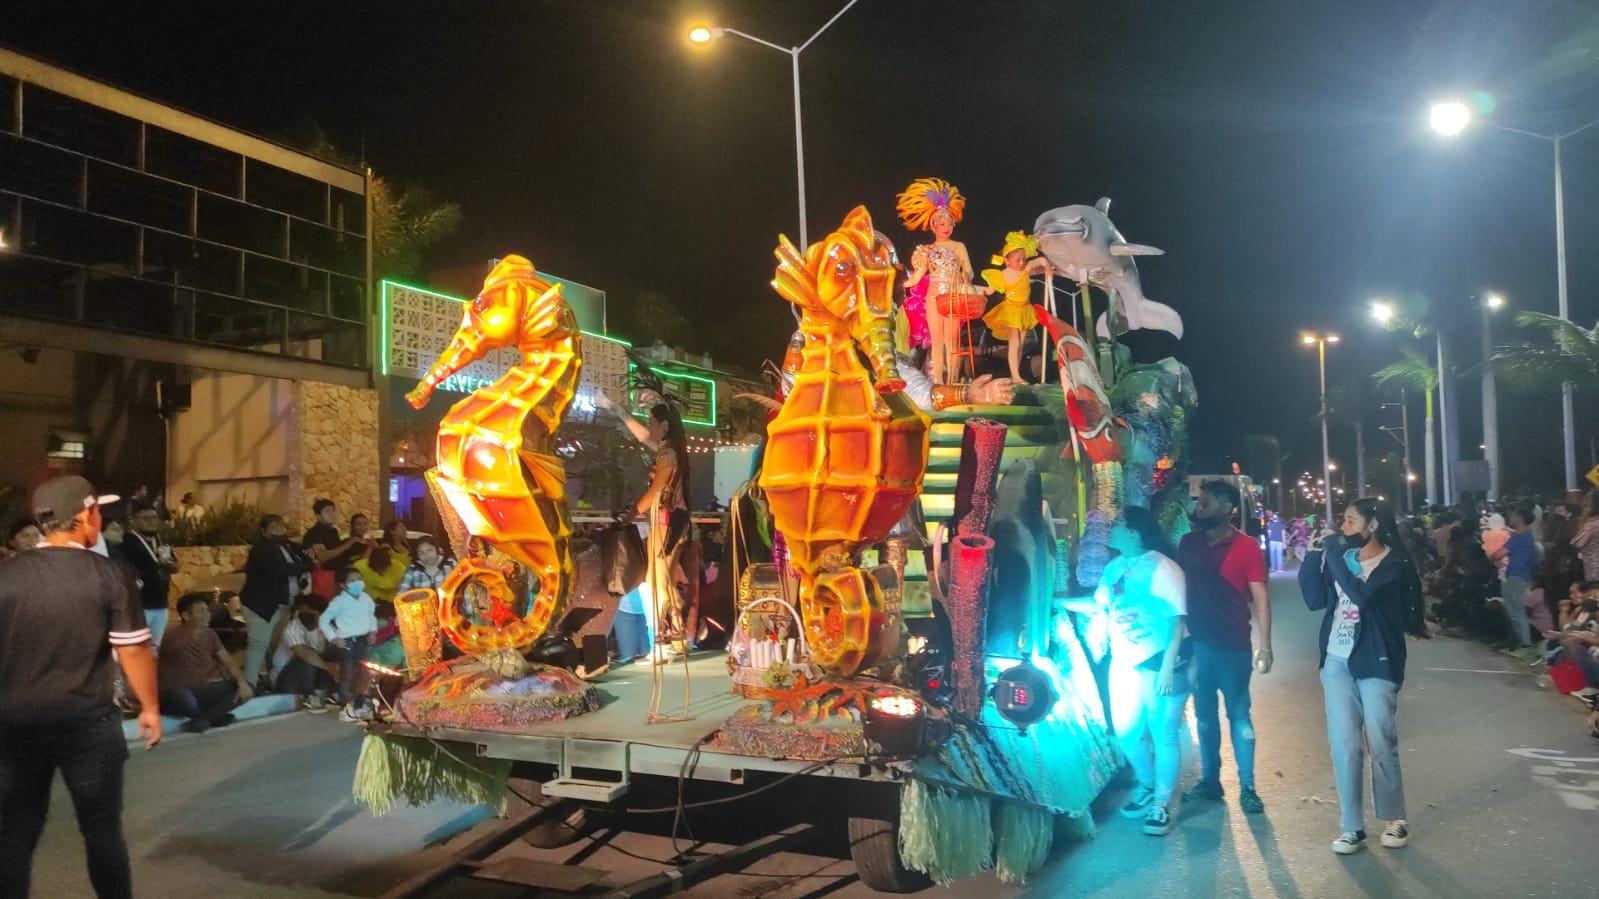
<point>1081,243</point>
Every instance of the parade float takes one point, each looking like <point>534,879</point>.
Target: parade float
<point>899,638</point>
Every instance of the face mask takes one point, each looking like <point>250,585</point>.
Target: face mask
<point>1352,560</point>
<point>1358,540</point>
<point>354,588</point>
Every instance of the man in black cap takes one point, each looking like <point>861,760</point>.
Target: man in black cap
<point>62,611</point>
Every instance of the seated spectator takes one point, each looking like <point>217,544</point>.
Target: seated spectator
<point>348,624</point>
<point>300,665</point>
<point>396,536</point>
<point>227,619</point>
<point>380,571</point>
<point>386,650</point>
<point>429,568</point>
<point>1471,583</point>
<point>197,678</point>
<point>23,535</point>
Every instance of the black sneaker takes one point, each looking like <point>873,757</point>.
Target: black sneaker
<point>1249,801</point>
<point>1349,842</point>
<point>1205,789</point>
<point>1396,835</point>
<point>1157,821</point>
<point>1137,802</point>
<point>195,726</point>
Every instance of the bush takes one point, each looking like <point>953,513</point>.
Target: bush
<point>230,524</point>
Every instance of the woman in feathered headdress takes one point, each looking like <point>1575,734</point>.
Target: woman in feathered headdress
<point>940,267</point>
<point>1014,317</point>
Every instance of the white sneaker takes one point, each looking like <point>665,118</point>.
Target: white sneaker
<point>1396,835</point>
<point>352,715</point>
<point>1349,842</point>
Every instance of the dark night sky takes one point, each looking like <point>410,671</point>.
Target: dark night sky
<point>1274,150</point>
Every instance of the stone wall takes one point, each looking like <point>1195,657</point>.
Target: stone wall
<point>333,452</point>
<point>207,567</point>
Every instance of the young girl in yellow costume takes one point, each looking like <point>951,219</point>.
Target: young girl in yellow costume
<point>941,267</point>
<point>1013,317</point>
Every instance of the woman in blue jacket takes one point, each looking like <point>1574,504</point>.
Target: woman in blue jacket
<point>1367,582</point>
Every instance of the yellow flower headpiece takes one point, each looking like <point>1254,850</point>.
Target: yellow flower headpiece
<point>926,196</point>
<point>1017,240</point>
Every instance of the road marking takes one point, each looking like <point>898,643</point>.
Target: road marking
<point>1476,670</point>
<point>1563,776</point>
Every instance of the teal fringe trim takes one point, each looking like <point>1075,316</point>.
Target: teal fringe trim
<point>944,834</point>
<point>412,768</point>
<point>1022,837</point>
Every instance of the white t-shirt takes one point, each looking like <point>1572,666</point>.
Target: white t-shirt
<point>295,634</point>
<point>1143,597</point>
<point>1346,617</point>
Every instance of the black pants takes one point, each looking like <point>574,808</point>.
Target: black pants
<point>301,678</point>
<point>210,703</point>
<point>90,755</point>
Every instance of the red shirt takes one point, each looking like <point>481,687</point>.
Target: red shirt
<point>1218,576</point>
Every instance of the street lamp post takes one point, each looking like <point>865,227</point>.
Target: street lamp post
<point>704,35</point>
<point>1490,399</point>
<point>1450,119</point>
<point>1404,441</point>
<point>1321,341</point>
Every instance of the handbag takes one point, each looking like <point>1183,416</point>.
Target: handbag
<point>1185,654</point>
<point>623,559</point>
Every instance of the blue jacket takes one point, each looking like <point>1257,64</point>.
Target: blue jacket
<point>1379,649</point>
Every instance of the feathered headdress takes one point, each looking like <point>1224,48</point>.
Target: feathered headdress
<point>926,196</point>
<point>1017,240</point>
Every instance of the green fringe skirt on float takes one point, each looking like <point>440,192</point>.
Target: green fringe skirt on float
<point>414,769</point>
<point>994,797</point>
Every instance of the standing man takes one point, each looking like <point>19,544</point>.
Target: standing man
<point>1274,540</point>
<point>152,558</point>
<point>62,610</point>
<point>1521,557</point>
<point>1225,574</point>
<point>271,580</point>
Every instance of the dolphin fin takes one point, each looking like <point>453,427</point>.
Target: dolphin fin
<point>1122,248</point>
<point>1103,206</point>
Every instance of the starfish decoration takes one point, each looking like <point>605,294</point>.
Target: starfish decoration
<point>500,613</point>
<point>827,697</point>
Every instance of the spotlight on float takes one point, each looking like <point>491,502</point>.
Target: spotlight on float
<point>1023,695</point>
<point>894,723</point>
<point>379,682</point>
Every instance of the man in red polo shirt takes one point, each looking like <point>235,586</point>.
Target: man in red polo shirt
<point>1225,575</point>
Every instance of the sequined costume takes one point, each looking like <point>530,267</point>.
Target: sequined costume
<point>665,547</point>
<point>1014,310</point>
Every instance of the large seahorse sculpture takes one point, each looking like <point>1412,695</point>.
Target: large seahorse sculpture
<point>496,461</point>
<point>846,455</point>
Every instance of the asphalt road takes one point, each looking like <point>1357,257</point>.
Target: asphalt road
<point>1503,786</point>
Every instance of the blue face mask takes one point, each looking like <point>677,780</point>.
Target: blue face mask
<point>354,588</point>
<point>1352,560</point>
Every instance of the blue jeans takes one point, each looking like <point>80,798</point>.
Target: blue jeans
<point>90,756</point>
<point>1275,549</point>
<point>157,620</point>
<point>1147,725</point>
<point>210,703</point>
<point>1515,597</point>
<point>1360,723</point>
<point>1227,671</point>
<point>632,635</point>
<point>349,660</point>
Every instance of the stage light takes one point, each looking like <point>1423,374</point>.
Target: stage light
<point>894,724</point>
<point>1023,695</point>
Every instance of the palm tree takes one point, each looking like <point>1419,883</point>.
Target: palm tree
<point>1565,353</point>
<point>1416,372</point>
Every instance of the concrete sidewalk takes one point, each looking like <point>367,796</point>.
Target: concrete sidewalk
<point>258,707</point>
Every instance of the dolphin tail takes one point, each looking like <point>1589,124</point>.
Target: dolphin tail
<point>1148,315</point>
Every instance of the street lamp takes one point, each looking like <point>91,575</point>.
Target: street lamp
<point>1490,399</point>
<point>1449,119</point>
<point>704,35</point>
<point>1384,313</point>
<point>1321,341</point>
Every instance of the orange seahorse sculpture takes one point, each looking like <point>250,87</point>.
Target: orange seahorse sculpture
<point>845,456</point>
<point>496,460</point>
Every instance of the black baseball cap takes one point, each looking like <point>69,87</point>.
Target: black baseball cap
<point>65,497</point>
